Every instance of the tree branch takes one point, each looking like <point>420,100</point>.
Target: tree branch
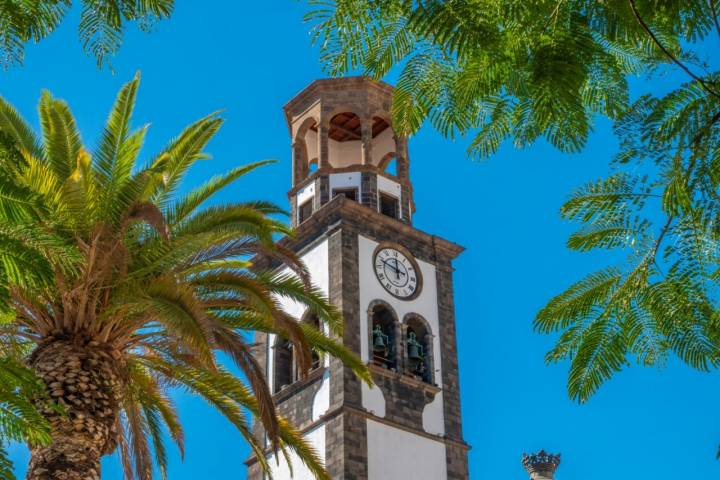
<point>669,54</point>
<point>713,10</point>
<point>698,136</point>
<point>659,240</point>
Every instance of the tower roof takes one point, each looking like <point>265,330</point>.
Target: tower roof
<point>344,143</point>
<point>326,85</point>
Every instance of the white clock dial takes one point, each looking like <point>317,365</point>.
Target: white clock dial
<point>396,272</point>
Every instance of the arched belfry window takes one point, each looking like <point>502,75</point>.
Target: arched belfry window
<point>383,336</point>
<point>383,141</point>
<point>345,140</point>
<point>283,364</point>
<point>305,150</point>
<point>285,360</point>
<point>418,352</point>
<point>312,319</point>
<point>388,164</point>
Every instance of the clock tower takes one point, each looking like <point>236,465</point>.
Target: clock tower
<point>352,206</point>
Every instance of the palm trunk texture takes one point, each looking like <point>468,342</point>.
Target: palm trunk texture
<point>84,379</point>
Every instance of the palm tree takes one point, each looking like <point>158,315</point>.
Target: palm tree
<point>101,24</point>
<point>121,290</point>
<point>19,419</point>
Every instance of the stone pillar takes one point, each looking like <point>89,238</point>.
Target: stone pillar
<point>401,156</point>
<point>541,465</point>
<point>323,148</point>
<point>366,140</point>
<point>297,160</point>
<point>322,191</point>
<point>368,190</point>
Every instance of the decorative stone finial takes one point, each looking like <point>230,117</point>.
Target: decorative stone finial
<point>541,465</point>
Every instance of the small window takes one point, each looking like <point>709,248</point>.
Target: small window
<point>284,374</point>
<point>305,210</point>
<point>389,205</point>
<point>349,193</point>
<point>315,322</point>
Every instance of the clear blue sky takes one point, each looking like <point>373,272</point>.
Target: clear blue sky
<point>249,58</point>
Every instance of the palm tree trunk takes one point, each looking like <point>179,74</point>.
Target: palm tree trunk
<point>84,379</point>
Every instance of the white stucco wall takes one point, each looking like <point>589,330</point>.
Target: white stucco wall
<point>321,402</point>
<point>281,470</point>
<point>316,260</point>
<point>395,453</point>
<point>382,145</point>
<point>373,400</point>
<point>306,193</point>
<point>425,304</point>
<point>344,154</point>
<point>345,180</point>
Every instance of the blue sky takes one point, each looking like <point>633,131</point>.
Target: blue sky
<point>249,58</point>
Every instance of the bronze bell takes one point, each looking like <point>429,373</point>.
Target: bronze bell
<point>415,349</point>
<point>379,340</point>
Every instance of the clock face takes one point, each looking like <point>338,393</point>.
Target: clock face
<point>396,272</point>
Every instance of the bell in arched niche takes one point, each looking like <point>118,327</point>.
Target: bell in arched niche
<point>418,351</point>
<point>382,347</point>
<point>416,354</point>
<point>382,337</point>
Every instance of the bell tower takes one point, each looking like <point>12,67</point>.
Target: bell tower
<point>352,206</point>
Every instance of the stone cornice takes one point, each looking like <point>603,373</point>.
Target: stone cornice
<point>344,83</point>
<point>341,211</point>
<point>352,168</point>
<point>404,378</point>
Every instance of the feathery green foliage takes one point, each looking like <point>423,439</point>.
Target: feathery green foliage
<point>19,419</point>
<point>98,247</point>
<point>664,298</point>
<point>526,69</point>
<point>101,27</point>
<point>501,69</point>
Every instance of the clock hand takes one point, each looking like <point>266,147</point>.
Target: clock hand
<point>398,272</point>
<point>394,267</point>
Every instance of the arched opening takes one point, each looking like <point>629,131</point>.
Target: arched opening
<point>312,319</point>
<point>383,141</point>
<point>345,140</point>
<point>305,149</point>
<point>383,336</point>
<point>313,166</point>
<point>418,349</point>
<point>284,374</point>
<point>388,164</point>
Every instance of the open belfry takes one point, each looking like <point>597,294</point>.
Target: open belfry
<point>352,205</point>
